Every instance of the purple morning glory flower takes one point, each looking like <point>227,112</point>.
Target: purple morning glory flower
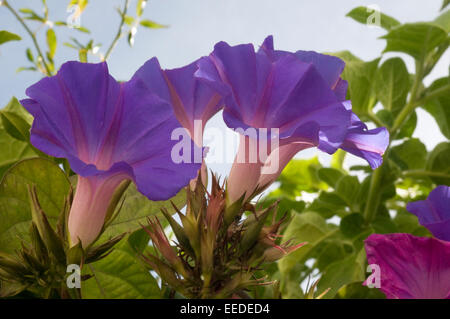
<point>434,212</point>
<point>359,140</point>
<point>411,267</point>
<point>191,97</point>
<point>301,94</point>
<point>109,132</point>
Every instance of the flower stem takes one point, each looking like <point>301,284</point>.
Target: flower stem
<point>119,31</point>
<point>373,197</point>
<point>33,37</point>
<point>374,118</point>
<point>375,183</point>
<point>406,111</point>
<point>433,94</point>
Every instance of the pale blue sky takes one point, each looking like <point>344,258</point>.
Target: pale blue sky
<point>196,25</point>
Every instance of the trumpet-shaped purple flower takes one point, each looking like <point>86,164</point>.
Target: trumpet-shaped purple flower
<point>434,212</point>
<point>300,94</point>
<point>411,267</point>
<point>191,97</point>
<point>109,132</point>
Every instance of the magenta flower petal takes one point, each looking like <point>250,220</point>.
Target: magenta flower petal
<point>109,132</point>
<point>190,96</point>
<point>411,267</point>
<point>434,212</point>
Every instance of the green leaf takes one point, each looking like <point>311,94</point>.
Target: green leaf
<point>415,39</point>
<point>406,222</point>
<point>16,126</point>
<point>140,7</point>
<point>329,251</point>
<point>443,21</point>
<point>439,107</point>
<point>328,204</point>
<point>31,15</point>
<point>29,68</point>
<point>337,159</point>
<point>329,175</point>
<point>130,39</point>
<point>392,84</point>
<point>15,213</point>
<point>15,107</point>
<point>129,20</point>
<point>6,36</point>
<point>347,188</point>
<point>307,227</point>
<point>13,149</point>
<point>438,161</point>
<point>121,275</point>
<point>51,42</point>
<point>360,77</point>
<point>409,127</point>
<point>80,3</point>
<point>352,225</point>
<point>29,55</point>
<point>386,117</point>
<point>136,208</point>
<point>362,15</point>
<point>342,272</point>
<point>347,56</point>
<point>301,175</point>
<point>82,55</point>
<point>152,24</point>
<point>384,225</point>
<point>16,120</point>
<point>286,204</point>
<point>445,3</point>
<point>411,154</point>
<point>357,290</point>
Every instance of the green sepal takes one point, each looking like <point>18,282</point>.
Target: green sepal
<point>183,240</point>
<point>252,233</point>
<point>118,193</point>
<point>48,235</point>
<point>103,250</point>
<point>11,266</point>
<point>11,289</point>
<point>75,255</point>
<point>37,244</point>
<point>61,225</point>
<point>233,210</point>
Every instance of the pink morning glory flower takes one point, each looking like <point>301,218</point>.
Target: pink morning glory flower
<point>411,267</point>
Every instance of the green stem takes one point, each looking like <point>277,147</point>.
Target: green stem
<point>33,37</point>
<point>374,188</point>
<point>433,94</point>
<point>406,111</point>
<point>119,31</point>
<point>375,119</point>
<point>373,197</point>
<point>424,173</point>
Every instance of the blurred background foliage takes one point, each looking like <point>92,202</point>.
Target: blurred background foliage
<point>332,208</point>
